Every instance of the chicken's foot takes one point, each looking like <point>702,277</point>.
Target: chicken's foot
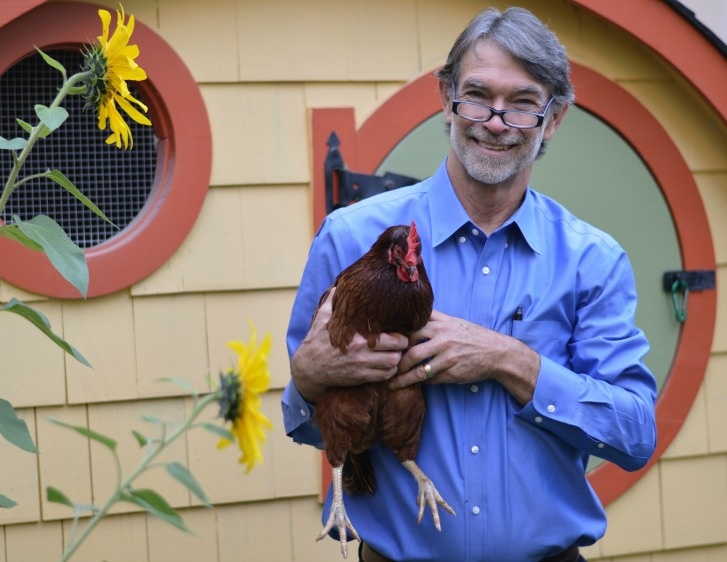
<point>338,516</point>
<point>427,494</point>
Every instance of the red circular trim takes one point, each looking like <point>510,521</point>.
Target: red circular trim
<point>179,117</point>
<point>663,29</point>
<point>419,100</point>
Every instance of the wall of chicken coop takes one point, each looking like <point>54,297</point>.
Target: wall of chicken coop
<point>261,67</point>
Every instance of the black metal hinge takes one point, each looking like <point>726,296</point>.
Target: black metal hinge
<point>344,187</point>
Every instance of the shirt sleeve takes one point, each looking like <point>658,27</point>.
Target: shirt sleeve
<point>325,261</point>
<point>603,401</point>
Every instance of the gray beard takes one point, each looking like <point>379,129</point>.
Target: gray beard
<point>487,170</point>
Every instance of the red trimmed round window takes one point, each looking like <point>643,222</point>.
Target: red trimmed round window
<point>152,192</point>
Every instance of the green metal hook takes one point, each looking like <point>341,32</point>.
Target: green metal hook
<point>680,308</point>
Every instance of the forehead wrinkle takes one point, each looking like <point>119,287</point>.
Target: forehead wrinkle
<point>527,89</point>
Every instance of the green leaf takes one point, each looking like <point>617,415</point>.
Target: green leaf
<point>14,233</point>
<point>56,496</point>
<point>13,144</point>
<point>63,253</point>
<point>41,322</point>
<point>14,429</point>
<point>219,431</point>
<point>142,439</point>
<point>180,472</point>
<point>58,177</point>
<point>28,128</point>
<point>90,433</point>
<point>52,62</point>
<point>51,117</point>
<point>155,505</point>
<point>6,502</point>
<point>181,382</point>
<point>153,419</point>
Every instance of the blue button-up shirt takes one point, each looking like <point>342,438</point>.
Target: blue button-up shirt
<point>514,475</point>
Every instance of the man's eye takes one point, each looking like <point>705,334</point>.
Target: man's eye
<point>525,105</point>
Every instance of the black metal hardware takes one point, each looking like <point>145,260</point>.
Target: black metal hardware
<point>695,280</point>
<point>680,283</point>
<point>344,187</point>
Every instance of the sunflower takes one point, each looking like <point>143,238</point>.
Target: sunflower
<point>110,64</point>
<point>239,398</point>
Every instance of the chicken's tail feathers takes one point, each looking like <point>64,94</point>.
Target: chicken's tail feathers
<point>358,474</point>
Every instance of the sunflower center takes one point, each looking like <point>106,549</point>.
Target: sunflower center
<point>230,396</point>
<point>95,62</point>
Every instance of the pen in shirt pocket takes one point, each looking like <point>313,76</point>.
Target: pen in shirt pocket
<point>517,317</point>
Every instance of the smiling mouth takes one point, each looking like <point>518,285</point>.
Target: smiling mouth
<point>495,147</point>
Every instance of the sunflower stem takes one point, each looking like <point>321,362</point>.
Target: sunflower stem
<point>10,184</point>
<point>143,465</point>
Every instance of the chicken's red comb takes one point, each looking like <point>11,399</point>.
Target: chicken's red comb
<point>413,234</point>
<point>412,243</point>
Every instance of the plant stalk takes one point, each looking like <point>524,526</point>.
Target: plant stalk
<point>140,468</point>
<point>10,184</point>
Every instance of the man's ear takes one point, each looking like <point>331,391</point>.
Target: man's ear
<point>445,93</point>
<point>554,122</point>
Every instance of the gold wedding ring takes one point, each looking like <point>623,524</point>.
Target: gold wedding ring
<point>428,371</point>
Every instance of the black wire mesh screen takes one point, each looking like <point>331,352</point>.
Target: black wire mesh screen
<point>118,181</point>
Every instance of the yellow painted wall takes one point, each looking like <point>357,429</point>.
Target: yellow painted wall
<point>261,67</point>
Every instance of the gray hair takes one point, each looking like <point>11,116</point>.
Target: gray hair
<point>527,39</point>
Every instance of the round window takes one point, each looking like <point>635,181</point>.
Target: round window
<point>152,192</point>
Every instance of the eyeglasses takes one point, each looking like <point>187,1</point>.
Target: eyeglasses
<point>511,117</point>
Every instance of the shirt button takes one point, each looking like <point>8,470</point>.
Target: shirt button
<point>551,408</point>
<point>462,239</point>
<point>474,388</point>
<point>303,413</point>
<point>476,510</point>
<point>600,445</point>
<point>538,419</point>
<point>486,270</point>
<point>475,449</point>
<point>475,232</point>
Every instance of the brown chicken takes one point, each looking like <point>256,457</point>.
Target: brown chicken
<point>386,290</point>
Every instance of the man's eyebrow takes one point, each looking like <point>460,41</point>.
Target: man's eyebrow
<point>522,90</point>
<point>528,90</point>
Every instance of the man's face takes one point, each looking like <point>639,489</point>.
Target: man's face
<point>492,152</point>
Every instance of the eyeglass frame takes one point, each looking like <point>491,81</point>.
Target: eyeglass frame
<point>499,112</point>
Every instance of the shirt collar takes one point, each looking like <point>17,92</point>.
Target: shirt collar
<point>446,212</point>
<point>526,221</point>
<point>448,215</point>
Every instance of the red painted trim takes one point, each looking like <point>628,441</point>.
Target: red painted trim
<point>324,121</point>
<point>178,113</point>
<point>655,24</point>
<point>11,9</point>
<point>419,100</point>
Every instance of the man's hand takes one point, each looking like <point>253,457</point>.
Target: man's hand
<point>316,364</point>
<point>459,351</point>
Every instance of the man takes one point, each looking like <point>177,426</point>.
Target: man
<point>533,358</point>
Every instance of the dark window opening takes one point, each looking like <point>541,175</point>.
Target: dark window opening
<point>118,181</point>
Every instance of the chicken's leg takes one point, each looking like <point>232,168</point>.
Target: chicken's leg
<point>338,515</point>
<point>427,494</point>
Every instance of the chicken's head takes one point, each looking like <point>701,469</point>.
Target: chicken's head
<point>405,252</point>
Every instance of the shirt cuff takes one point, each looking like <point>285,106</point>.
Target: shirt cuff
<point>298,417</point>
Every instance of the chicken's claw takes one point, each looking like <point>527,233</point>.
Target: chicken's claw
<point>427,494</point>
<point>338,516</point>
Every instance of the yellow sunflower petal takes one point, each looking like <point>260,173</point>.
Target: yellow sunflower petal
<point>250,424</point>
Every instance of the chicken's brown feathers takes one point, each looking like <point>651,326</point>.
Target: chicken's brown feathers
<point>371,297</point>
<point>386,290</point>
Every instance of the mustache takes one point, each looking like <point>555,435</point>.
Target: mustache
<point>483,135</point>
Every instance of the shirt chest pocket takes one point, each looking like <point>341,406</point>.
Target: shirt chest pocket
<point>547,337</point>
